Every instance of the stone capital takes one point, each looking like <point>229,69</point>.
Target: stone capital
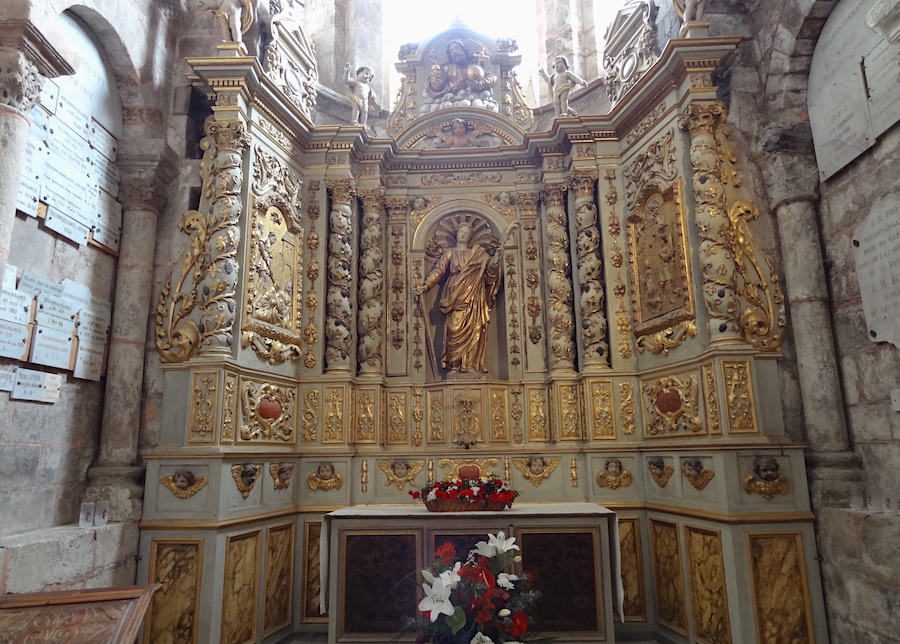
<point>553,193</point>
<point>20,82</point>
<point>702,117</point>
<point>528,203</point>
<point>373,199</point>
<point>19,34</point>
<point>342,190</point>
<point>584,181</point>
<point>146,178</point>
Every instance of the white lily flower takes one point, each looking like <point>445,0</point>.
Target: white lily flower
<point>481,638</point>
<point>504,612</point>
<point>428,576</point>
<point>496,544</point>
<point>505,580</point>
<point>436,600</point>
<point>451,577</point>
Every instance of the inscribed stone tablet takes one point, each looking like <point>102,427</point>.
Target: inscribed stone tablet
<point>56,311</point>
<point>15,306</point>
<point>28,197</point>
<point>884,90</point>
<point>89,359</point>
<point>34,284</point>
<point>877,250</point>
<point>14,340</point>
<point>52,348</point>
<point>9,278</point>
<point>67,226</point>
<point>29,385</point>
<point>52,385</point>
<point>103,142</point>
<point>106,173</point>
<point>49,95</point>
<point>7,380</point>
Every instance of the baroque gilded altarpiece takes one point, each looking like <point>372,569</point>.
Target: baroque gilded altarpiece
<point>634,329</point>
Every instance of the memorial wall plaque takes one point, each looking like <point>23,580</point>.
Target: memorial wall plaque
<point>876,245</point>
<point>15,306</point>
<point>7,380</point>
<point>52,385</point>
<point>67,226</point>
<point>65,190</point>
<point>102,141</point>
<point>34,162</point>
<point>49,95</point>
<point>29,385</point>
<point>9,278</point>
<point>106,173</point>
<point>75,115</point>
<point>56,311</point>
<point>52,348</point>
<point>89,358</point>
<point>883,87</point>
<point>78,292</point>
<point>14,340</point>
<point>33,284</point>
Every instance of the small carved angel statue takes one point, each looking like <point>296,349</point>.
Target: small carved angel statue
<point>361,93</point>
<point>765,479</point>
<point>614,475</point>
<point>536,468</point>
<point>236,16</point>
<point>561,83</point>
<point>693,470</point>
<point>400,473</point>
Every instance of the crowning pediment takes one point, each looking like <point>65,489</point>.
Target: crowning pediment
<point>484,129</point>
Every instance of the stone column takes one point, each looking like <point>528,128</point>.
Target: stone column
<point>702,120</point>
<point>21,79</point>
<point>370,319</point>
<point>592,298</point>
<point>145,180</point>
<point>559,283</point>
<point>338,307</point>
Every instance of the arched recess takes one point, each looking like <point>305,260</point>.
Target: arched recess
<point>435,234</point>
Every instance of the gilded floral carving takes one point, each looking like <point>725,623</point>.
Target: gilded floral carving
<point>672,405</point>
<point>268,412</point>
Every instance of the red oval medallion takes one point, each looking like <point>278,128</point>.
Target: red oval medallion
<point>668,401</point>
<point>269,409</point>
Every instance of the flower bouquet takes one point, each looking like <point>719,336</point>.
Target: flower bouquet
<point>466,495</point>
<point>476,601</point>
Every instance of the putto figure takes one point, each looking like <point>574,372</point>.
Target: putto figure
<point>361,94</point>
<point>460,76</point>
<point>765,479</point>
<point>561,83</point>
<point>468,297</point>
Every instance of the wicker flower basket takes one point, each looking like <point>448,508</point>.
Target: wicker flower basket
<point>496,506</point>
<point>454,505</point>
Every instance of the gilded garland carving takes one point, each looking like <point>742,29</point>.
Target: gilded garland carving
<point>533,282</point>
<point>616,258</point>
<point>281,474</point>
<point>196,308</point>
<point>418,415</point>
<point>592,300</point>
<point>739,396</point>
<point>559,285</point>
<point>512,314</point>
<point>334,416</point>
<point>516,413</point>
<point>204,401</point>
<point>711,399</point>
<point>436,417</point>
<point>398,430</point>
<point>537,416</point>
<point>573,472</point>
<point>467,424</point>
<point>604,424</point>
<point>228,407</point>
<point>398,284</point>
<point>268,412</point>
<point>365,414</point>
<point>370,318</point>
<point>310,415</point>
<point>499,430</point>
<point>183,484</point>
<point>419,315</point>
<point>672,405</point>
<point>536,469</point>
<point>338,321</point>
<point>364,475</point>
<point>628,407</point>
<point>709,605</point>
<point>570,416</point>
<point>245,477</point>
<point>401,473</point>
<point>311,331</point>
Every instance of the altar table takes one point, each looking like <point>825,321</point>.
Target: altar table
<point>370,557</point>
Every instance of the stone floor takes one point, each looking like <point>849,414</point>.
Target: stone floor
<point>318,638</point>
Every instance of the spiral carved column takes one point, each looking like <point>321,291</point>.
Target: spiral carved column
<point>592,300</point>
<point>338,307</point>
<point>370,319</point>
<point>560,313</point>
<point>702,121</point>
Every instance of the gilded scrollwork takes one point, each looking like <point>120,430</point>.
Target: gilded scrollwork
<point>667,339</point>
<point>405,108</point>
<point>398,427</point>
<point>268,412</point>
<point>570,412</point>
<point>371,282</point>
<point>401,473</point>
<point>601,397</point>
<point>204,406</point>
<point>628,407</point>
<point>616,258</point>
<point>711,399</point>
<point>486,467</point>
<point>467,422</point>
<point>281,474</point>
<point>739,396</point>
<point>613,475</point>
<point>672,405</point>
<point>559,284</point>
<point>245,477</point>
<point>698,476</point>
<point>338,307</point>
<point>589,270</point>
<point>196,307</point>
<point>536,469</point>
<point>310,415</point>
<point>765,479</point>
<point>183,484</point>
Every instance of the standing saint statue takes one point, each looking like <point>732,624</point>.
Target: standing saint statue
<point>468,297</point>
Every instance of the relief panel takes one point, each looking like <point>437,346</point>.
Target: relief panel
<point>603,420</point>
<point>279,578</point>
<point>709,600</point>
<point>240,589</point>
<point>632,570</point>
<point>173,614</point>
<point>312,578</point>
<point>739,397</point>
<point>335,415</point>
<point>538,414</point>
<point>780,596</point>
<point>204,407</point>
<point>668,576</point>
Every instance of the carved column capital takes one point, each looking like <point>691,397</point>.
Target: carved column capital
<point>20,82</point>
<point>342,190</point>
<point>146,178</point>
<point>227,135</point>
<point>397,207</point>
<point>553,193</point>
<point>528,203</point>
<point>372,198</point>
<point>702,118</point>
<point>584,181</point>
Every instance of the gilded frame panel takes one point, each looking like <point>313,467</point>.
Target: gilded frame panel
<point>790,585</point>
<point>158,598</point>
<point>635,601</point>
<point>236,628</point>
<point>672,406</point>
<point>281,579</point>
<point>368,412</point>
<point>203,417</point>
<point>312,575</point>
<point>568,411</point>
<point>603,410</point>
<point>715,572</point>
<point>739,400</point>
<point>674,574</point>
<point>398,417</point>
<point>335,414</point>
<point>498,403</point>
<point>540,423</point>
<point>658,252</point>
